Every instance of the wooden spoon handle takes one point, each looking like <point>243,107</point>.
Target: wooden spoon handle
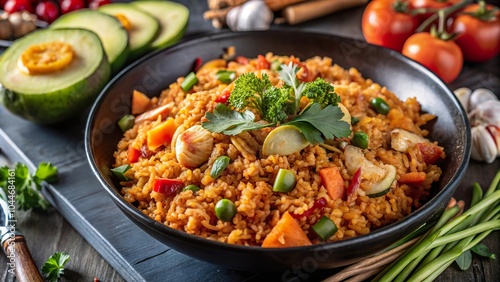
<point>20,258</point>
<point>314,9</point>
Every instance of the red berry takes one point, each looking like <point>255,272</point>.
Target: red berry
<point>71,5</point>
<point>47,11</point>
<point>12,6</point>
<point>94,4</point>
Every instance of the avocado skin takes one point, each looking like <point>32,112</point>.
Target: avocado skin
<point>56,106</point>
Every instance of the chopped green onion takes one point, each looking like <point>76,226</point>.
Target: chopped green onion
<point>276,65</point>
<point>189,81</point>
<point>225,76</point>
<point>225,210</point>
<point>219,166</point>
<point>126,122</point>
<point>380,106</point>
<point>285,181</point>
<point>191,187</point>
<point>325,228</point>
<point>360,139</point>
<point>119,172</point>
<point>354,120</point>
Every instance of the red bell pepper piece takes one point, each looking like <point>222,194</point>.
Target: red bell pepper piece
<point>318,204</point>
<point>166,186</point>
<point>262,63</point>
<point>133,154</point>
<point>431,153</point>
<point>354,186</point>
<point>197,64</point>
<point>224,97</point>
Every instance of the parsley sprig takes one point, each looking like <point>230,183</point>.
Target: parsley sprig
<point>53,268</point>
<point>28,187</point>
<point>320,119</point>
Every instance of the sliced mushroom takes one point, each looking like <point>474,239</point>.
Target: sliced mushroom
<point>193,146</point>
<point>401,140</point>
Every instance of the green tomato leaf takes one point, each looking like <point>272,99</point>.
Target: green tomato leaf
<point>464,261</point>
<point>53,268</point>
<point>483,251</point>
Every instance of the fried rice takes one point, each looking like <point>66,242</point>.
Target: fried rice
<point>248,179</point>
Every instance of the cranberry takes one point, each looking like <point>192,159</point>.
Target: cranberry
<point>94,4</point>
<point>71,5</point>
<point>12,6</point>
<point>47,11</point>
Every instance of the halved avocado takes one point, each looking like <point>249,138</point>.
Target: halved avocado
<point>173,18</point>
<point>113,36</point>
<point>142,30</point>
<point>55,96</point>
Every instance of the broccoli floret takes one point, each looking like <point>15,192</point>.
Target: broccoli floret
<point>277,103</point>
<point>248,91</point>
<point>321,92</point>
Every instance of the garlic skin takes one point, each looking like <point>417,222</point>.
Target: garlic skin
<point>253,15</point>
<point>483,109</point>
<point>193,146</point>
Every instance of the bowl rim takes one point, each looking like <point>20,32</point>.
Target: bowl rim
<point>423,211</point>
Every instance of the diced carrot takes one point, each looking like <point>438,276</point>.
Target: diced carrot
<point>133,154</point>
<point>262,63</point>
<point>140,102</point>
<point>286,233</point>
<point>412,177</point>
<point>333,182</point>
<point>161,134</point>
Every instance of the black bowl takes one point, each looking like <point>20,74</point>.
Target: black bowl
<point>401,75</point>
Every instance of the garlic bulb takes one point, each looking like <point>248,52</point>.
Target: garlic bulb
<point>483,109</point>
<point>193,146</point>
<point>253,15</point>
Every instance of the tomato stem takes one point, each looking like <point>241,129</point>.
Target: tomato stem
<point>484,13</point>
<point>446,11</point>
<point>400,6</point>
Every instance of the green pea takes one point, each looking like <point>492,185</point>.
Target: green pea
<point>191,187</point>
<point>219,166</point>
<point>285,181</point>
<point>380,106</point>
<point>225,210</point>
<point>360,139</point>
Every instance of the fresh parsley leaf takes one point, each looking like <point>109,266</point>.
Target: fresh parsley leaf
<point>288,74</point>
<point>326,120</point>
<point>230,122</point>
<point>321,92</point>
<point>482,250</point>
<point>28,187</point>
<point>464,260</point>
<point>53,268</point>
<point>310,132</point>
<point>47,172</point>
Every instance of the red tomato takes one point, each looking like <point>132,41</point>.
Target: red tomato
<point>388,23</point>
<point>262,63</point>
<point>94,4</point>
<point>71,5</point>
<point>12,6</point>
<point>478,36</point>
<point>2,3</point>
<point>47,11</point>
<point>444,58</point>
<point>431,5</point>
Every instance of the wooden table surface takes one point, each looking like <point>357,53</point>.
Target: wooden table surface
<point>49,232</point>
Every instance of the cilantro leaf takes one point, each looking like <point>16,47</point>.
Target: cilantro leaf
<point>326,120</point>
<point>53,268</point>
<point>310,132</point>
<point>230,122</point>
<point>321,92</point>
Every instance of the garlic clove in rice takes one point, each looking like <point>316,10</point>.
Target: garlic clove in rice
<point>253,15</point>
<point>484,147</point>
<point>193,146</point>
